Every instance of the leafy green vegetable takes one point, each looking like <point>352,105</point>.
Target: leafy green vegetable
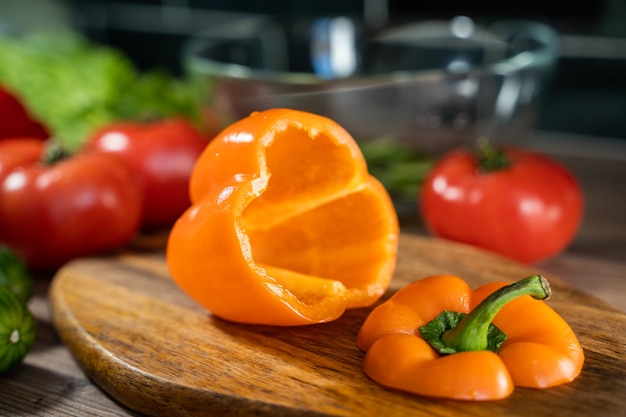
<point>399,169</point>
<point>74,86</point>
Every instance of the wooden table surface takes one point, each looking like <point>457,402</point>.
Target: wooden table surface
<point>50,383</point>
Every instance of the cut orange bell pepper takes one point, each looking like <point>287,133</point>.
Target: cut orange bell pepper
<point>286,227</point>
<point>413,346</point>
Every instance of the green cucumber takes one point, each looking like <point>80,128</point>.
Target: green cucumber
<point>18,328</point>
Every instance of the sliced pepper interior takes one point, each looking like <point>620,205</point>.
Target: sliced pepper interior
<point>287,226</point>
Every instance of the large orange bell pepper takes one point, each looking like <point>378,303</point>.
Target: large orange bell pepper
<point>286,227</point>
<point>437,337</point>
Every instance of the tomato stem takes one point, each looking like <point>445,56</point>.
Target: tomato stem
<point>490,158</point>
<point>471,333</point>
<point>54,153</point>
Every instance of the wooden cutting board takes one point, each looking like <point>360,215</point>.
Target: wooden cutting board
<point>148,345</point>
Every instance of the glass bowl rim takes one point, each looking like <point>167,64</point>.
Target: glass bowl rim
<point>545,56</point>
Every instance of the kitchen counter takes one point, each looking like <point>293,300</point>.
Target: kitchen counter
<point>50,382</point>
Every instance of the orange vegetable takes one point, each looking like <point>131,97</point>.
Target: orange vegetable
<point>286,227</point>
<point>417,342</point>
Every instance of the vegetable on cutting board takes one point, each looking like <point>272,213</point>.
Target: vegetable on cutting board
<point>55,207</point>
<point>436,337</point>
<point>515,202</point>
<point>286,227</point>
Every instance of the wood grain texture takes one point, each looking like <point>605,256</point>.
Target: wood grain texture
<point>143,341</point>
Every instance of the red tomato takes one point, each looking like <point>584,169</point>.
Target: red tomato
<point>15,120</point>
<point>529,211</point>
<point>162,154</point>
<point>81,205</point>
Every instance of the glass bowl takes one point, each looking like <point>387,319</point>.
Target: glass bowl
<point>406,93</point>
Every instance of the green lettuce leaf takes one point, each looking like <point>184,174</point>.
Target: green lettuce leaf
<point>74,86</point>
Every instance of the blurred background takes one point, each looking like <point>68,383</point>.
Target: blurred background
<point>587,95</point>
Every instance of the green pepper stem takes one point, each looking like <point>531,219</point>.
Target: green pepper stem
<point>471,332</point>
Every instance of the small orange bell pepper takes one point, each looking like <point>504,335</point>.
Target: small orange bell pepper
<point>287,227</point>
<point>436,337</point>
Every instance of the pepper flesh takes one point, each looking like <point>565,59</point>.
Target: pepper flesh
<point>269,239</point>
<point>540,351</point>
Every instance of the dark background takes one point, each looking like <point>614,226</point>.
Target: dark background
<point>586,97</point>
